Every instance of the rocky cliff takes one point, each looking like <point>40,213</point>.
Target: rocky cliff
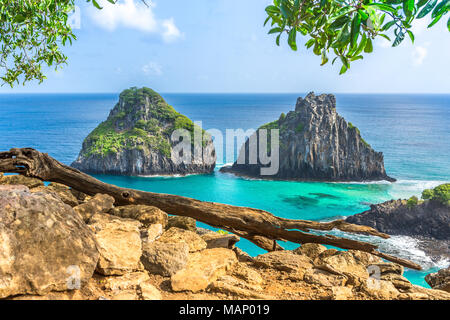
<point>60,244</point>
<point>316,143</point>
<point>429,219</point>
<point>135,139</point>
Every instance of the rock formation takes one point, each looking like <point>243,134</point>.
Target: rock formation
<point>429,219</point>
<point>316,143</point>
<point>41,237</point>
<point>439,280</point>
<point>136,140</point>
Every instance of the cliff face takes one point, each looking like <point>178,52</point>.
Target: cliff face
<point>136,140</point>
<point>316,143</point>
<point>429,219</point>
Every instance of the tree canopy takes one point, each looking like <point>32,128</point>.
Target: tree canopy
<point>346,28</point>
<point>33,32</point>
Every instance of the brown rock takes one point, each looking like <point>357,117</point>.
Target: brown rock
<point>64,194</point>
<point>21,180</point>
<point>44,245</point>
<point>284,261</point>
<point>119,244</point>
<point>147,215</point>
<point>165,258</point>
<point>177,235</point>
<point>151,233</point>
<point>311,250</point>
<point>249,275</point>
<point>149,292</point>
<point>185,223</point>
<point>324,278</point>
<point>217,240</point>
<point>439,280</point>
<point>128,281</point>
<point>101,203</point>
<point>203,268</point>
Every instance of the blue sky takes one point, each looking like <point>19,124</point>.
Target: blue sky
<point>221,46</point>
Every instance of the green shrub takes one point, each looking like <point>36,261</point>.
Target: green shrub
<point>412,202</point>
<point>282,117</point>
<point>441,194</point>
<point>220,231</point>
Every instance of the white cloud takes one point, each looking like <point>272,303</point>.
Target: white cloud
<point>418,55</point>
<point>133,14</point>
<point>152,69</point>
<point>171,31</point>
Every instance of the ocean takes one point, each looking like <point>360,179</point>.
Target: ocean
<point>412,131</point>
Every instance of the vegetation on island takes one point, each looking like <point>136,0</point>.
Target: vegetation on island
<point>352,127</point>
<point>440,194</point>
<point>127,129</point>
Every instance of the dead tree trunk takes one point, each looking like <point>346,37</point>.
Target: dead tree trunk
<point>258,226</point>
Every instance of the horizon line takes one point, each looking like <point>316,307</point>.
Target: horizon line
<point>205,92</point>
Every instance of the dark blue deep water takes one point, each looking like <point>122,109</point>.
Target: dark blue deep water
<point>412,131</point>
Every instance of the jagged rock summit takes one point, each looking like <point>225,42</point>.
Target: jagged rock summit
<point>136,140</point>
<point>316,143</point>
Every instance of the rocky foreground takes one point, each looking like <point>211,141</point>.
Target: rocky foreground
<point>316,143</point>
<point>136,139</point>
<point>58,243</point>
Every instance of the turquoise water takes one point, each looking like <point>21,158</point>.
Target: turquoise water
<point>411,130</point>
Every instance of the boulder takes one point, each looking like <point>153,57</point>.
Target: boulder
<point>64,194</point>
<point>45,246</point>
<point>151,233</point>
<point>247,274</point>
<point>284,261</point>
<point>439,280</point>
<point>202,269</point>
<point>324,278</point>
<point>181,222</point>
<point>177,235</point>
<point>101,203</point>
<point>119,244</point>
<point>128,281</point>
<point>218,240</point>
<point>311,250</point>
<point>147,215</point>
<point>165,258</point>
<point>21,180</point>
<point>147,291</point>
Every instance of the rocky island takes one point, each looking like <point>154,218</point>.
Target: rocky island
<point>135,139</point>
<point>427,220</point>
<point>316,143</point>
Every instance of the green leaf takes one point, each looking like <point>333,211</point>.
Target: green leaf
<point>421,3</point>
<point>388,25</point>
<point>411,35</point>
<point>427,9</point>
<point>95,3</point>
<point>398,39</point>
<point>324,57</point>
<point>356,26</point>
<point>435,20</point>
<point>385,36</point>
<point>341,12</point>
<point>272,9</point>
<point>277,41</point>
<point>448,24</point>
<point>408,7</point>
<point>382,7</point>
<point>275,30</point>
<point>440,9</point>
<point>267,20</point>
<point>343,69</point>
<point>369,46</point>
<point>292,39</point>
<point>19,18</point>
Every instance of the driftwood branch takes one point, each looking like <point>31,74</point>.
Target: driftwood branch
<point>258,226</point>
